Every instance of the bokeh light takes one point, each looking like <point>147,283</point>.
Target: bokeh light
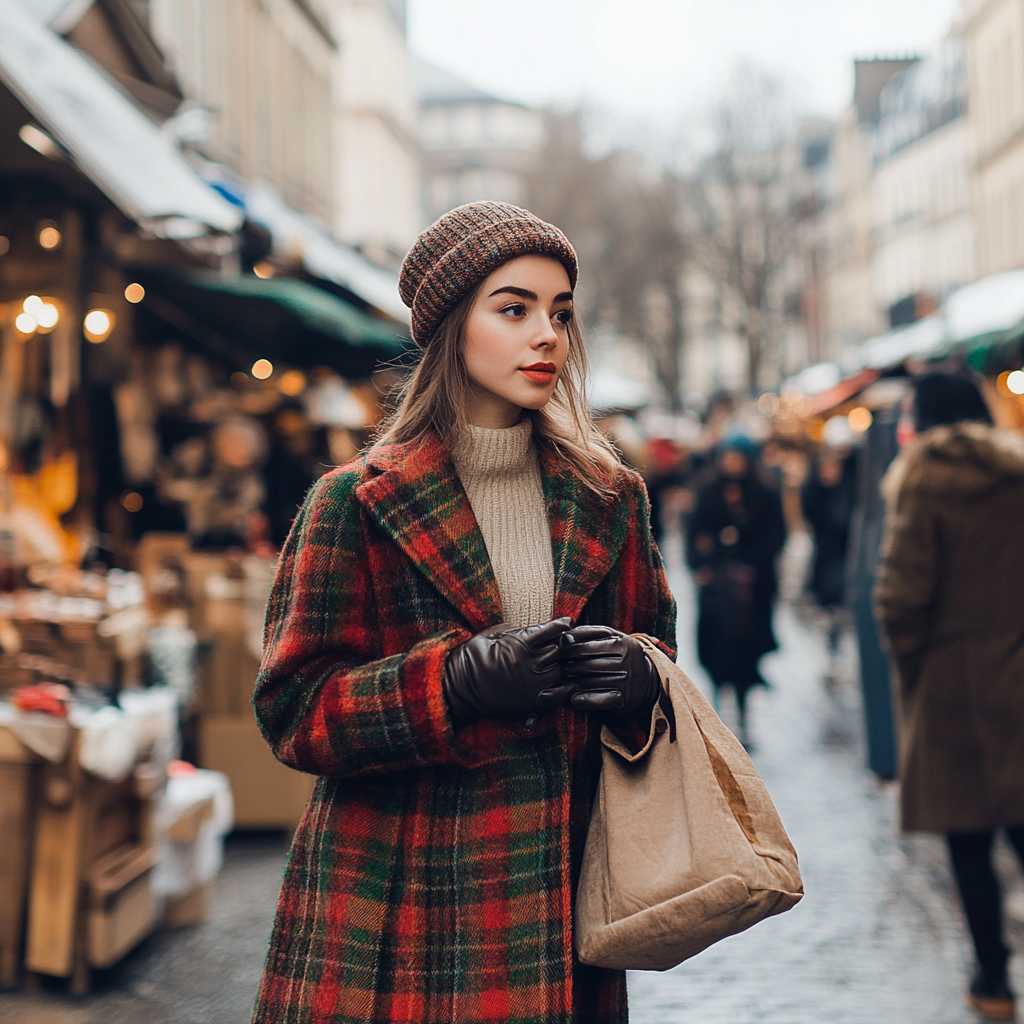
<point>860,419</point>
<point>98,325</point>
<point>292,383</point>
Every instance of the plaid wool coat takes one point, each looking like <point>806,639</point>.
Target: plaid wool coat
<point>431,878</point>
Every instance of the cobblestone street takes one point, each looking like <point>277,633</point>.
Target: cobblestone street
<point>877,940</point>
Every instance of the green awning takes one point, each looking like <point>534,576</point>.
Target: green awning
<point>246,318</point>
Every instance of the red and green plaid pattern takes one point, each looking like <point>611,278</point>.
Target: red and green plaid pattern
<point>432,874</point>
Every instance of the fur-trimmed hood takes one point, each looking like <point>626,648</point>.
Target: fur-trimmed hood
<point>965,458</point>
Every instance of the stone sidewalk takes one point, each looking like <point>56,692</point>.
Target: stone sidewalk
<point>877,940</point>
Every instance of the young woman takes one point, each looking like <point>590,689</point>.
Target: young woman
<point>948,598</point>
<point>448,630</point>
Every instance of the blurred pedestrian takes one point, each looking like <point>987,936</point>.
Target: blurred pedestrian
<point>734,536</point>
<point>948,599</point>
<point>447,635</point>
<point>827,501</point>
<point>665,474</point>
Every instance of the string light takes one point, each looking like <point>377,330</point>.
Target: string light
<point>292,383</point>
<point>98,325</point>
<point>47,317</point>
<point>134,292</point>
<point>1015,382</point>
<point>860,419</point>
<point>264,270</point>
<point>26,324</point>
<point>262,369</point>
<point>49,235</point>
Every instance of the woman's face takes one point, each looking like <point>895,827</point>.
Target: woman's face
<point>519,319</point>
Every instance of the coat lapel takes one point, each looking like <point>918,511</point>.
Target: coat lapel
<point>419,501</point>
<point>587,535</point>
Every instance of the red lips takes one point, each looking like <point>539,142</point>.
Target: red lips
<point>546,367</point>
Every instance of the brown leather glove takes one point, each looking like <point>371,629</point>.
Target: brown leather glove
<point>506,672</point>
<point>609,671</point>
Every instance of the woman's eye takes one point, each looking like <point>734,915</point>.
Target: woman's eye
<point>517,309</point>
<point>564,316</point>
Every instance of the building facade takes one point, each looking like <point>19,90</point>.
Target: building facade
<point>376,149</point>
<point>853,313</point>
<point>923,231</point>
<point>475,145</point>
<point>261,74</point>
<point>994,35</point>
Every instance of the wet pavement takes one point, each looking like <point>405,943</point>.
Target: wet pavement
<point>877,939</point>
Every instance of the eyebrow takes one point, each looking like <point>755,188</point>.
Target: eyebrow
<point>525,293</point>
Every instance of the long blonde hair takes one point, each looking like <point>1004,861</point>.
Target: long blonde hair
<point>433,399</point>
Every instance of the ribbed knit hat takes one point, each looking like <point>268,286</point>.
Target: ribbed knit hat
<point>461,248</point>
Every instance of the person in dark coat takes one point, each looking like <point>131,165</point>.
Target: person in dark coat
<point>827,500</point>
<point>734,536</point>
<point>948,600</point>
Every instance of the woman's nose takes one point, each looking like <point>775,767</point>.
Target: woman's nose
<point>545,336</point>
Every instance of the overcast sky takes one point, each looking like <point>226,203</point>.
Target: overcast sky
<point>656,56</point>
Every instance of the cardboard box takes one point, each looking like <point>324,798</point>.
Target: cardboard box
<point>191,909</point>
<point>266,793</point>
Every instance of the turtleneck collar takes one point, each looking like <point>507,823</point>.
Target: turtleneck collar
<point>494,450</point>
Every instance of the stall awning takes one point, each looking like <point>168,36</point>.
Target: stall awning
<point>116,146</point>
<point>917,340</point>
<point>322,255</point>
<point>282,319</point>
<point>841,393</point>
<point>984,311</point>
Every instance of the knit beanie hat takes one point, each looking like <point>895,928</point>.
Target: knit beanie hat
<point>460,249</point>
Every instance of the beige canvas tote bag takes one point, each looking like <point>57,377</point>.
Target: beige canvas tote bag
<point>685,846</point>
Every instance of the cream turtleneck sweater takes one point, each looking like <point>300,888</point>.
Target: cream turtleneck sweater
<point>501,475</point>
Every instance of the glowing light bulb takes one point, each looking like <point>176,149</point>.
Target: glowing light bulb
<point>860,419</point>
<point>98,325</point>
<point>292,383</point>
<point>262,369</point>
<point>47,316</point>
<point>49,236</point>
<point>25,323</point>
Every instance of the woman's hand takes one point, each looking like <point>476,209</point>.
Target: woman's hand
<point>506,672</point>
<point>608,671</point>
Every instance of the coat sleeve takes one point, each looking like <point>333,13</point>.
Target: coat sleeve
<point>907,574</point>
<point>646,603</point>
<point>643,582</point>
<point>324,699</point>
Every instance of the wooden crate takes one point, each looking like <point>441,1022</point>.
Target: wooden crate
<point>122,906</point>
<point>84,826</point>
<point>18,769</point>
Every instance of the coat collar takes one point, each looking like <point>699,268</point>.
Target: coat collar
<point>415,494</point>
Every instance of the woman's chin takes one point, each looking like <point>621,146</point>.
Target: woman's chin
<point>535,398</point>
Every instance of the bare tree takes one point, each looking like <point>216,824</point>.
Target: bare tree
<point>743,223</point>
<point>626,217</point>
